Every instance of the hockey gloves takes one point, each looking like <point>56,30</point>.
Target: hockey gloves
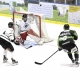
<point>16,42</point>
<point>59,49</point>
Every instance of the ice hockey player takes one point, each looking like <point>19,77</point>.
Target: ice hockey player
<point>5,41</point>
<point>23,29</point>
<point>66,41</point>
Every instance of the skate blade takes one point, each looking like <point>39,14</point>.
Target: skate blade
<point>70,65</point>
<point>4,61</point>
<point>14,64</point>
<point>9,63</point>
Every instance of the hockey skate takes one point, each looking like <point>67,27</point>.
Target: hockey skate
<point>73,61</point>
<point>76,61</point>
<point>5,59</point>
<point>14,62</point>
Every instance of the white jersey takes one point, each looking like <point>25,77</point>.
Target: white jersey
<point>8,34</point>
<point>23,26</point>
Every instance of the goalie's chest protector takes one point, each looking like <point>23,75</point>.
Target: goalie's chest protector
<point>24,26</point>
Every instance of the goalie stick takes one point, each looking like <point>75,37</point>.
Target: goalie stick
<point>46,59</point>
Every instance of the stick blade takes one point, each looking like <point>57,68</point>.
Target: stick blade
<point>38,63</point>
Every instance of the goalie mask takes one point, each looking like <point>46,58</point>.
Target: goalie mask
<point>10,24</point>
<point>66,27</point>
<point>24,17</point>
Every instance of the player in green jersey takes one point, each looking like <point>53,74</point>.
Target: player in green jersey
<point>66,41</point>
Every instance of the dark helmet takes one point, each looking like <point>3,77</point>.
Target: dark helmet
<point>24,16</point>
<point>66,26</point>
<point>10,24</point>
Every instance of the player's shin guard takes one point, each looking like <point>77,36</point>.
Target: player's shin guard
<point>76,55</point>
<point>71,57</point>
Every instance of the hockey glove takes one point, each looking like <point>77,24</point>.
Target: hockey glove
<point>16,42</point>
<point>59,49</point>
<point>12,40</point>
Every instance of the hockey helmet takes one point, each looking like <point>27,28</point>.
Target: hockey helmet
<point>10,24</point>
<point>24,17</point>
<point>66,26</point>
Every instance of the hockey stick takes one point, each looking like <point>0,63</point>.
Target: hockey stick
<point>46,59</point>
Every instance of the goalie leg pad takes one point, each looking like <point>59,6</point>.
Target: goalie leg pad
<point>32,33</point>
<point>36,39</point>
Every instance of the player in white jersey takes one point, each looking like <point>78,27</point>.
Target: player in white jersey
<point>5,42</point>
<point>23,29</point>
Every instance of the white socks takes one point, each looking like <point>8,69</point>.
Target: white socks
<point>11,54</point>
<point>5,53</point>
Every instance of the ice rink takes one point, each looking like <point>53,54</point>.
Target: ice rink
<point>56,68</point>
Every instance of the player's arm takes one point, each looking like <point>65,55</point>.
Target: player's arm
<point>10,34</point>
<point>59,47</point>
<point>17,33</point>
<point>17,29</point>
<point>74,34</point>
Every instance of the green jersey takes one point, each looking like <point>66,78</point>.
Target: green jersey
<point>67,36</point>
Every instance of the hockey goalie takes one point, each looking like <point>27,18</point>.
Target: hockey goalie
<point>23,29</point>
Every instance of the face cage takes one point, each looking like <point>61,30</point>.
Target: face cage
<point>24,19</point>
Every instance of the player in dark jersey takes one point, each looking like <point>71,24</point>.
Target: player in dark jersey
<point>66,41</point>
<point>5,41</point>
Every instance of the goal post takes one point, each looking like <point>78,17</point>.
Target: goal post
<point>37,21</point>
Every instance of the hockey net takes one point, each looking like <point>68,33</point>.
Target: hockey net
<point>37,23</point>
